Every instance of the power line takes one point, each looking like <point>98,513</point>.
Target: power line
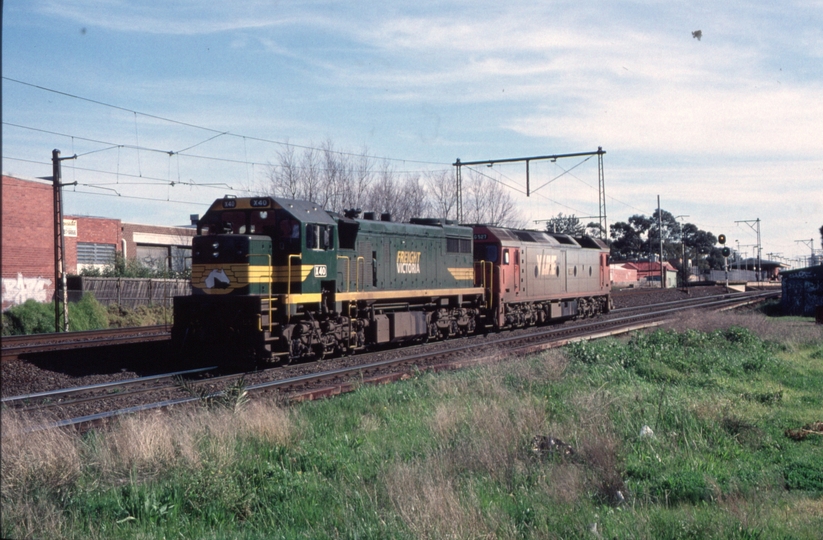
<point>154,181</point>
<point>204,128</point>
<point>171,153</point>
<point>522,192</point>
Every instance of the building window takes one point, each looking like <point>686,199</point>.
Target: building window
<point>91,255</point>
<point>180,258</point>
<point>155,257</point>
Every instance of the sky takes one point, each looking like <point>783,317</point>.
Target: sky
<point>170,105</point>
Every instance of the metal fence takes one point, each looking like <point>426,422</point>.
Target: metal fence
<point>734,275</point>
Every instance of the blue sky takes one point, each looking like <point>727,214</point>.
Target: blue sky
<point>724,129</point>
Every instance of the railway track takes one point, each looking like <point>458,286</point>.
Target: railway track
<point>16,346</point>
<point>323,381</point>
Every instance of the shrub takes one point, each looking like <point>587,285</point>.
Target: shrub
<point>34,317</point>
<point>120,317</point>
<point>805,476</point>
<point>87,314</point>
<point>30,317</point>
<point>134,268</point>
<point>682,486</point>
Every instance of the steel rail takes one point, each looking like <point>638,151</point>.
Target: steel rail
<point>24,401</point>
<point>14,346</point>
<point>697,300</point>
<point>587,331</point>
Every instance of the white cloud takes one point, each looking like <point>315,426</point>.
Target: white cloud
<point>180,17</point>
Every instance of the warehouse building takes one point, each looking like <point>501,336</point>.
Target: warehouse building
<point>91,242</point>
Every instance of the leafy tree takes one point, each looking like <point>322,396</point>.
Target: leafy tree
<point>596,230</point>
<point>561,224</point>
<point>627,241</point>
<point>639,237</point>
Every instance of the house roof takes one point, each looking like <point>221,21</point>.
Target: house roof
<point>646,266</point>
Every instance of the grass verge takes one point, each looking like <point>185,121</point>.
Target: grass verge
<point>679,433</point>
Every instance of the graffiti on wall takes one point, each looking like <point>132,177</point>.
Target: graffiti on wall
<point>18,290</point>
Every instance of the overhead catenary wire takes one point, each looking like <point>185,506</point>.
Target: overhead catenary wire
<point>112,145</point>
<point>205,128</point>
<point>522,192</point>
<point>220,133</point>
<point>152,181</point>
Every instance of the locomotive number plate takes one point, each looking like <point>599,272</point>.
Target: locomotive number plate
<point>481,236</point>
<point>320,270</point>
<point>259,203</point>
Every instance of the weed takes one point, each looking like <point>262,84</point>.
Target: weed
<point>450,455</point>
<point>234,397</point>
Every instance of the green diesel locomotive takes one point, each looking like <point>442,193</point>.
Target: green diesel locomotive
<point>275,280</point>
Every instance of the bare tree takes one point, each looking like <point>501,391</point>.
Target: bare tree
<point>360,174</point>
<point>384,194</point>
<point>338,181</point>
<point>442,193</point>
<point>414,201</point>
<point>486,201</point>
<point>285,176</point>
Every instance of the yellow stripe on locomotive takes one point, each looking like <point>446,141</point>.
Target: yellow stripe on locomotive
<point>224,278</point>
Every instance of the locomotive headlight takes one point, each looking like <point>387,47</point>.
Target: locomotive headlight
<point>215,245</point>
<point>215,254</point>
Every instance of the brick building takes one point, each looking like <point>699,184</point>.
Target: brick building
<point>28,242</point>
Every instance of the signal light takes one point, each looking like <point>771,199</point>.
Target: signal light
<point>721,239</point>
<point>726,251</point>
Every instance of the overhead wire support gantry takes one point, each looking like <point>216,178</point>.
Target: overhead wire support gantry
<point>601,182</point>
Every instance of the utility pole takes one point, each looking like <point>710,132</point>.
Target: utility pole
<point>660,234</point>
<point>59,242</point>
<point>810,244</point>
<point>737,256</point>
<point>683,252</point>
<point>458,176</point>
<point>759,246</point>
<point>601,183</point>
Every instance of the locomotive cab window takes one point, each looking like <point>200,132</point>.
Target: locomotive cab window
<point>318,237</point>
<point>262,222</point>
<point>227,223</point>
<point>487,253</point>
<point>311,236</point>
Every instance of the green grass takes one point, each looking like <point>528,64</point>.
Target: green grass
<point>451,455</point>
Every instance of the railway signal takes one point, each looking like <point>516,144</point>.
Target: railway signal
<point>721,239</point>
<point>725,251</point>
